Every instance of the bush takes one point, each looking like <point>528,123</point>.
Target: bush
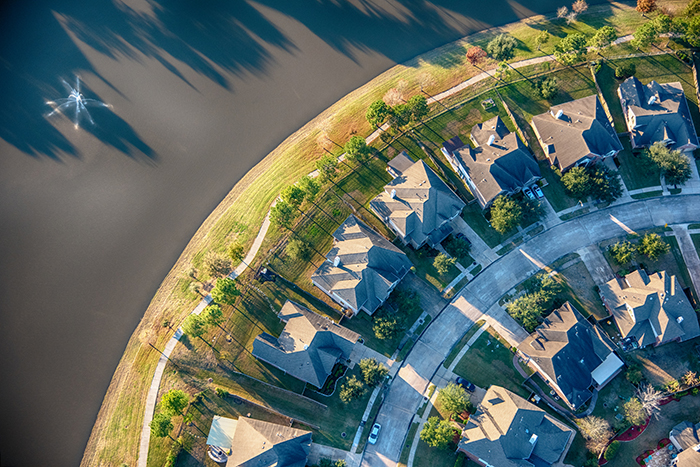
<point>612,450</point>
<point>221,392</point>
<point>501,47</point>
<point>546,87</point>
<point>625,70</point>
<point>461,459</point>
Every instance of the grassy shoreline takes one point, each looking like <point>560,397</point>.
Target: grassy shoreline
<point>116,433</point>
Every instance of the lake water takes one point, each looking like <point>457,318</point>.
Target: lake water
<point>91,220</point>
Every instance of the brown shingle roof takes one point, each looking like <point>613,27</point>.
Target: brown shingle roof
<point>263,444</point>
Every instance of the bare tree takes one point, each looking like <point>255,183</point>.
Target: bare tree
<point>690,378</point>
<point>597,432</point>
<point>426,80</point>
<point>650,399</point>
<point>579,6</point>
<point>393,96</point>
<point>562,12</point>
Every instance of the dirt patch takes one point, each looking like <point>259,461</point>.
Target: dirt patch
<point>667,362</point>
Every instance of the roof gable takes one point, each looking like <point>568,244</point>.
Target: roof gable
<point>263,444</point>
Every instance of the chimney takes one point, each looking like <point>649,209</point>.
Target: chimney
<point>492,138</point>
<point>652,100</point>
<point>336,261</point>
<point>393,194</point>
<point>559,114</point>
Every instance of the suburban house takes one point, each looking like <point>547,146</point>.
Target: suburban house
<point>361,269</point>
<point>650,309</point>
<point>500,164</point>
<point>686,438</point>
<point>571,355</point>
<point>576,133</point>
<point>254,443</point>
<point>657,112</point>
<point>508,431</point>
<point>309,346</point>
<point>417,205</point>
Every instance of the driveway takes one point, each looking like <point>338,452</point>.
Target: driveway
<point>596,264</point>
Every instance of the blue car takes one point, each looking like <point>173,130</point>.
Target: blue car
<point>465,384</point>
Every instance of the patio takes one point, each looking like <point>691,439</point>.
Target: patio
<point>661,457</point>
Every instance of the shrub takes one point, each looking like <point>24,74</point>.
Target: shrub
<point>221,392</point>
<point>625,70</point>
<point>612,450</point>
<point>502,47</point>
<point>546,87</point>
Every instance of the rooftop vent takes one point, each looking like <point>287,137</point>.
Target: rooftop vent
<point>679,319</point>
<point>306,347</point>
<point>652,100</point>
<point>559,114</point>
<point>393,194</point>
<point>488,160</point>
<point>336,261</point>
<point>492,138</point>
<point>533,439</point>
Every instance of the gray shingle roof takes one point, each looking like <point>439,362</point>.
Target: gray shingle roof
<point>666,118</point>
<point>421,205</point>
<point>263,444</point>
<point>369,266</point>
<point>309,345</point>
<point>686,435</point>
<point>645,307</point>
<point>582,129</point>
<point>508,431</point>
<point>568,349</point>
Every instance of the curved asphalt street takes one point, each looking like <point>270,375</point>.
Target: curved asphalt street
<point>406,391</point>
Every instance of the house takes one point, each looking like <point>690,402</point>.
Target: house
<point>417,205</point>
<point>686,438</point>
<point>361,269</point>
<point>500,164</point>
<point>650,309</point>
<point>508,431</point>
<point>576,133</point>
<point>571,355</point>
<point>254,443</point>
<point>309,346</point>
<point>657,112</point>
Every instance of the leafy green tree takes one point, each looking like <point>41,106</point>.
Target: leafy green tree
<point>646,6</point>
<point>438,433</point>
<point>527,309</point>
<point>653,247</point>
<point>282,214</point>
<point>298,250</point>
<point>327,167</point>
<point>505,214</point>
<point>161,425</point>
<point>377,113</point>
<point>400,116</point>
<point>310,186</point>
<point>418,106</point>
<point>603,37</point>
<point>634,412</point>
<point>225,291</point>
<point>689,29</point>
<point>612,450</point>
<point>570,49</point>
<point>352,389</point>
<point>645,35</point>
<point>213,315</point>
<point>456,247</point>
<point>502,71</point>
<point>174,402</point>
<point>386,327</point>
<point>663,24</point>
<point>502,47</point>
<point>193,326</point>
<point>546,87</point>
<point>357,150</point>
<point>443,263</point>
<point>576,182</point>
<point>605,183</point>
<point>235,251</point>
<point>216,264</point>
<point>453,398</point>
<point>625,70</point>
<point>293,195</point>
<point>622,252</point>
<point>373,372</point>
<point>674,165</point>
<point>541,38</point>
<point>634,374</point>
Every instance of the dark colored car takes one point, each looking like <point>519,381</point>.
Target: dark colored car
<point>465,384</point>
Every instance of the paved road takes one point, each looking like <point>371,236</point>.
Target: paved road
<point>484,291</point>
<point>690,254</point>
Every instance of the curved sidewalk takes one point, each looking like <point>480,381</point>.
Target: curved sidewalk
<point>479,296</point>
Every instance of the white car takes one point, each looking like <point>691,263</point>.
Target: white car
<point>528,193</point>
<point>538,191</point>
<point>374,434</point>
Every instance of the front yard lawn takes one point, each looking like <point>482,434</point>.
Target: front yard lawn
<point>433,457</point>
<point>634,174</point>
<point>423,263</point>
<point>580,290</point>
<point>554,191</point>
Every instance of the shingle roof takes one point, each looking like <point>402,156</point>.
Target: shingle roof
<point>666,118</point>
<point>686,435</point>
<point>582,129</point>
<point>421,205</point>
<point>263,444</point>
<point>508,431</point>
<point>309,345</point>
<point>568,349</point>
<point>368,266</point>
<point>645,307</point>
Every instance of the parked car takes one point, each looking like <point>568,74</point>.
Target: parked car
<point>461,236</point>
<point>374,434</point>
<point>528,192</point>
<point>465,384</point>
<point>538,191</point>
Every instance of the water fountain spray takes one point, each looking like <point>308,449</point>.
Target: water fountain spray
<point>75,103</point>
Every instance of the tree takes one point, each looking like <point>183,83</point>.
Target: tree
<point>475,55</point>
<point>622,252</point>
<point>579,6</point>
<point>327,167</point>
<point>298,250</point>
<point>674,165</point>
<point>502,47</point>
<point>605,183</point>
<point>570,49</point>
<point>453,398</point>
<point>597,432</point>
<point>235,252</point>
<point>293,195</point>
<point>650,399</point>
<point>562,12</point>
<point>310,186</point>
<point>505,214</point>
<point>527,309</point>
<point>577,182</point>
<point>634,374</point>
<point>225,291</point>
<point>541,38</point>
<point>456,247</point>
<point>438,433</point>
<point>174,402</point>
<point>634,412</point>
<point>400,116</point>
<point>652,246</point>
<point>625,70</point>
<point>193,326</point>
<point>502,71</point>
<point>690,378</point>
<point>377,113</point>
<point>646,6</point>
<point>645,35</point>
<point>443,263</point>
<point>672,385</point>
<point>612,450</point>
<point>373,372</point>
<point>213,315</point>
<point>282,214</point>
<point>603,37</point>
<point>194,288</point>
<point>386,327</point>
<point>357,150</point>
<point>216,264</point>
<point>352,389</point>
<point>418,106</point>
<point>161,425</point>
<point>546,87</point>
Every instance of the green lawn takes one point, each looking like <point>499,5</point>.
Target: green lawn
<point>696,241</point>
<point>635,174</point>
<point>608,86</point>
<point>666,362</point>
<point>554,191</point>
<point>490,361</point>
<point>425,269</point>
<point>473,215</point>
<point>409,442</point>
<point>611,398</point>
<point>462,342</point>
